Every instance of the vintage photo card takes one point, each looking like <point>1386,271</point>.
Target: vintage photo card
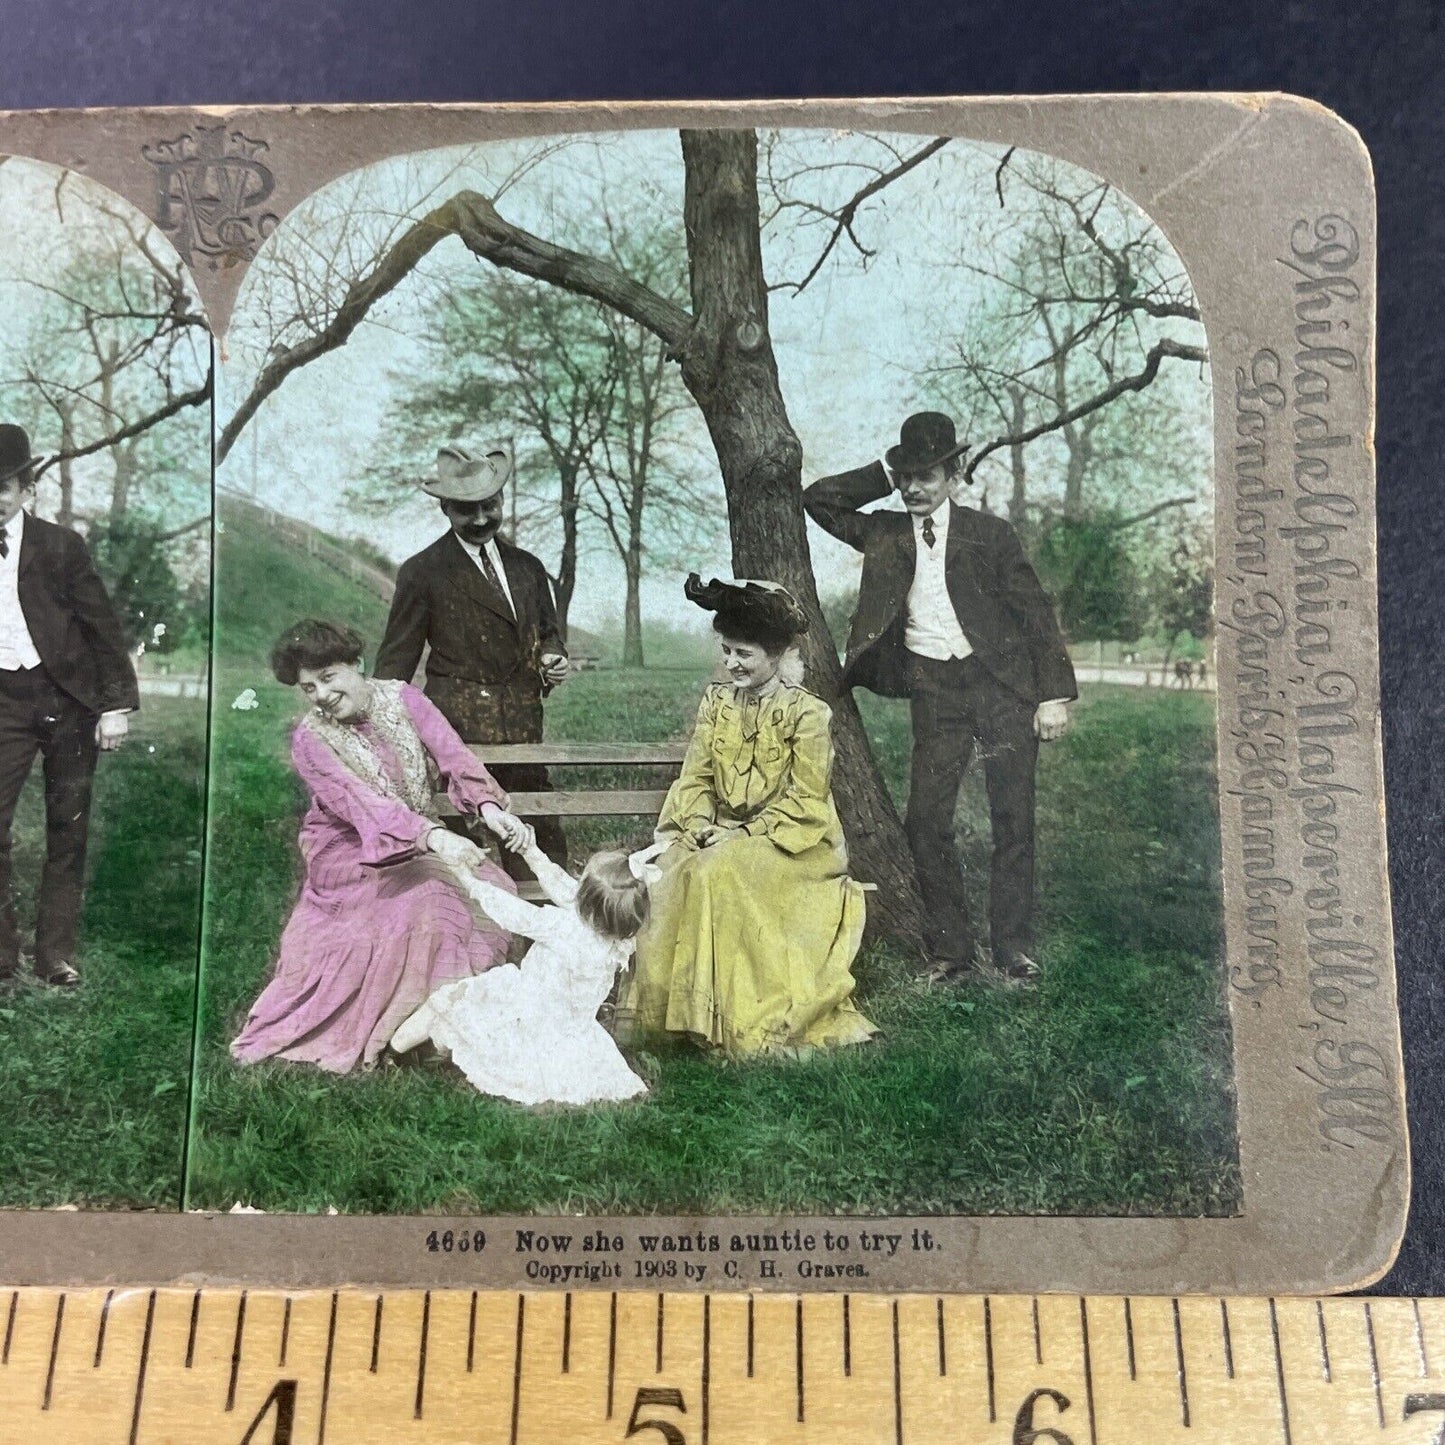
<point>105,546</point>
<point>795,698</point>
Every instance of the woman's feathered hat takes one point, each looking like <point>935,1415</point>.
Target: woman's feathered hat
<point>750,604</point>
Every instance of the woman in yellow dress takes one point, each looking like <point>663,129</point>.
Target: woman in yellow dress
<point>754,922</point>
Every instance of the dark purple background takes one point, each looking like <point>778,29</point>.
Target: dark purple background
<point>1379,65</point>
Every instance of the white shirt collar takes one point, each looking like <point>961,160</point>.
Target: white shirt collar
<point>939,518</point>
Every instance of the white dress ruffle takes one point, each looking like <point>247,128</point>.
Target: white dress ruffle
<point>530,1033</point>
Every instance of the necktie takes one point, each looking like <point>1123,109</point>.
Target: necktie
<point>928,533</point>
<point>490,573</point>
<point>4,542</point>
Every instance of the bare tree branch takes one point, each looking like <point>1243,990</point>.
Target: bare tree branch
<point>475,220</point>
<point>847,213</point>
<point>171,408</point>
<point>1166,347</point>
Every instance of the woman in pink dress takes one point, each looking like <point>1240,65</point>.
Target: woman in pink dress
<point>382,921</point>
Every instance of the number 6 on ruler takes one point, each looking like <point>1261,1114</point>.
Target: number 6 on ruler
<point>1025,1432</point>
<point>648,1395</point>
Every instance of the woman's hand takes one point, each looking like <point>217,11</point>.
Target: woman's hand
<point>516,836</point>
<point>715,833</point>
<point>454,850</point>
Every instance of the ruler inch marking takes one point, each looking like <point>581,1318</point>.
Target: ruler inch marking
<point>376,1334</point>
<point>517,1369</point>
<point>54,1350</point>
<point>942,1346</point>
<point>1420,1340</point>
<point>100,1329</point>
<point>1228,1338</point>
<point>566,1332</point>
<point>1088,1370</point>
<point>1179,1362</point>
<point>661,1306</point>
<point>988,1356</point>
<point>10,1327</point>
<point>798,1353</point>
<point>326,1372</point>
<point>847,1340</point>
<point>1129,1338</point>
<point>750,1337</point>
<point>1374,1364</point>
<point>706,1365</point>
<point>191,1333</point>
<point>1038,1337</point>
<point>612,1351</point>
<point>1279,1374</point>
<point>1325,1367</point>
<point>897,1383</point>
<point>140,1374</point>
<point>236,1353</point>
<point>421,1356</point>
<point>285,1334</point>
<point>472,1332</point>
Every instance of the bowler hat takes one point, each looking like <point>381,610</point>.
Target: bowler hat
<point>470,474</point>
<point>924,440</point>
<point>15,458</point>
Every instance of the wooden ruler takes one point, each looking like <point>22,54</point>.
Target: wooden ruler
<point>263,1367</point>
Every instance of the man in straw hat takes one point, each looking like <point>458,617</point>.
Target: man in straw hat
<point>66,686</point>
<point>952,616</point>
<point>485,610</point>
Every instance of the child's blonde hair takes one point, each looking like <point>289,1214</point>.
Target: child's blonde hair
<point>611,900</point>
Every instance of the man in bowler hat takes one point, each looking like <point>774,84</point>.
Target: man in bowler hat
<point>66,686</point>
<point>484,608</point>
<point>952,616</point>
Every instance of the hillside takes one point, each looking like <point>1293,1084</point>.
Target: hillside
<point>264,581</point>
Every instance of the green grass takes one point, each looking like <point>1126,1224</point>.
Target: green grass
<point>94,1082</point>
<point>1106,1091</point>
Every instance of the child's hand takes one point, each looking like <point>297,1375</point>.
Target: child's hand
<point>523,839</point>
<point>507,826</point>
<point>454,850</point>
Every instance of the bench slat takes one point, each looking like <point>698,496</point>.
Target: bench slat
<point>580,754</point>
<point>575,805</point>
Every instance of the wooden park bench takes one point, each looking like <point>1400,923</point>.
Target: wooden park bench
<point>576,802</point>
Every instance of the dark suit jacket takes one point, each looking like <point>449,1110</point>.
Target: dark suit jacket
<point>1004,612</point>
<point>71,620</point>
<point>484,667</point>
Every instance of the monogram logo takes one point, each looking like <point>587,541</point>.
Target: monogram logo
<point>210,188</point>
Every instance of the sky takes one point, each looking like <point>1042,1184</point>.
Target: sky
<point>853,348</point>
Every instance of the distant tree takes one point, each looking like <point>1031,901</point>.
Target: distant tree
<point>117,348</point>
<point>1181,592</point>
<point>1093,581</point>
<point>1080,302</point>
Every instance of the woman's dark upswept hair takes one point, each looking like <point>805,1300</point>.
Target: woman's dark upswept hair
<point>313,644</point>
<point>764,617</point>
<point>611,899</point>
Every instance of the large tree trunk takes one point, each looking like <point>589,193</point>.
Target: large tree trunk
<point>729,367</point>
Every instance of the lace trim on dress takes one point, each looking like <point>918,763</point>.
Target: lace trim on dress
<point>393,725</point>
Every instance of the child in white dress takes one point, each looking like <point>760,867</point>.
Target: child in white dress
<point>530,1033</point>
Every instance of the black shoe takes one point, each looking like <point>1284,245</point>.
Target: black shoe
<point>58,975</point>
<point>1020,972</point>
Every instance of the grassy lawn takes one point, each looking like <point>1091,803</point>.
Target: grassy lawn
<point>94,1082</point>
<point>1106,1091</point>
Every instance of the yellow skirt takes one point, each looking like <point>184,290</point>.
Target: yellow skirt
<point>750,948</point>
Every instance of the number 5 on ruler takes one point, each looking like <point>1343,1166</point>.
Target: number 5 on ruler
<point>672,1400</point>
